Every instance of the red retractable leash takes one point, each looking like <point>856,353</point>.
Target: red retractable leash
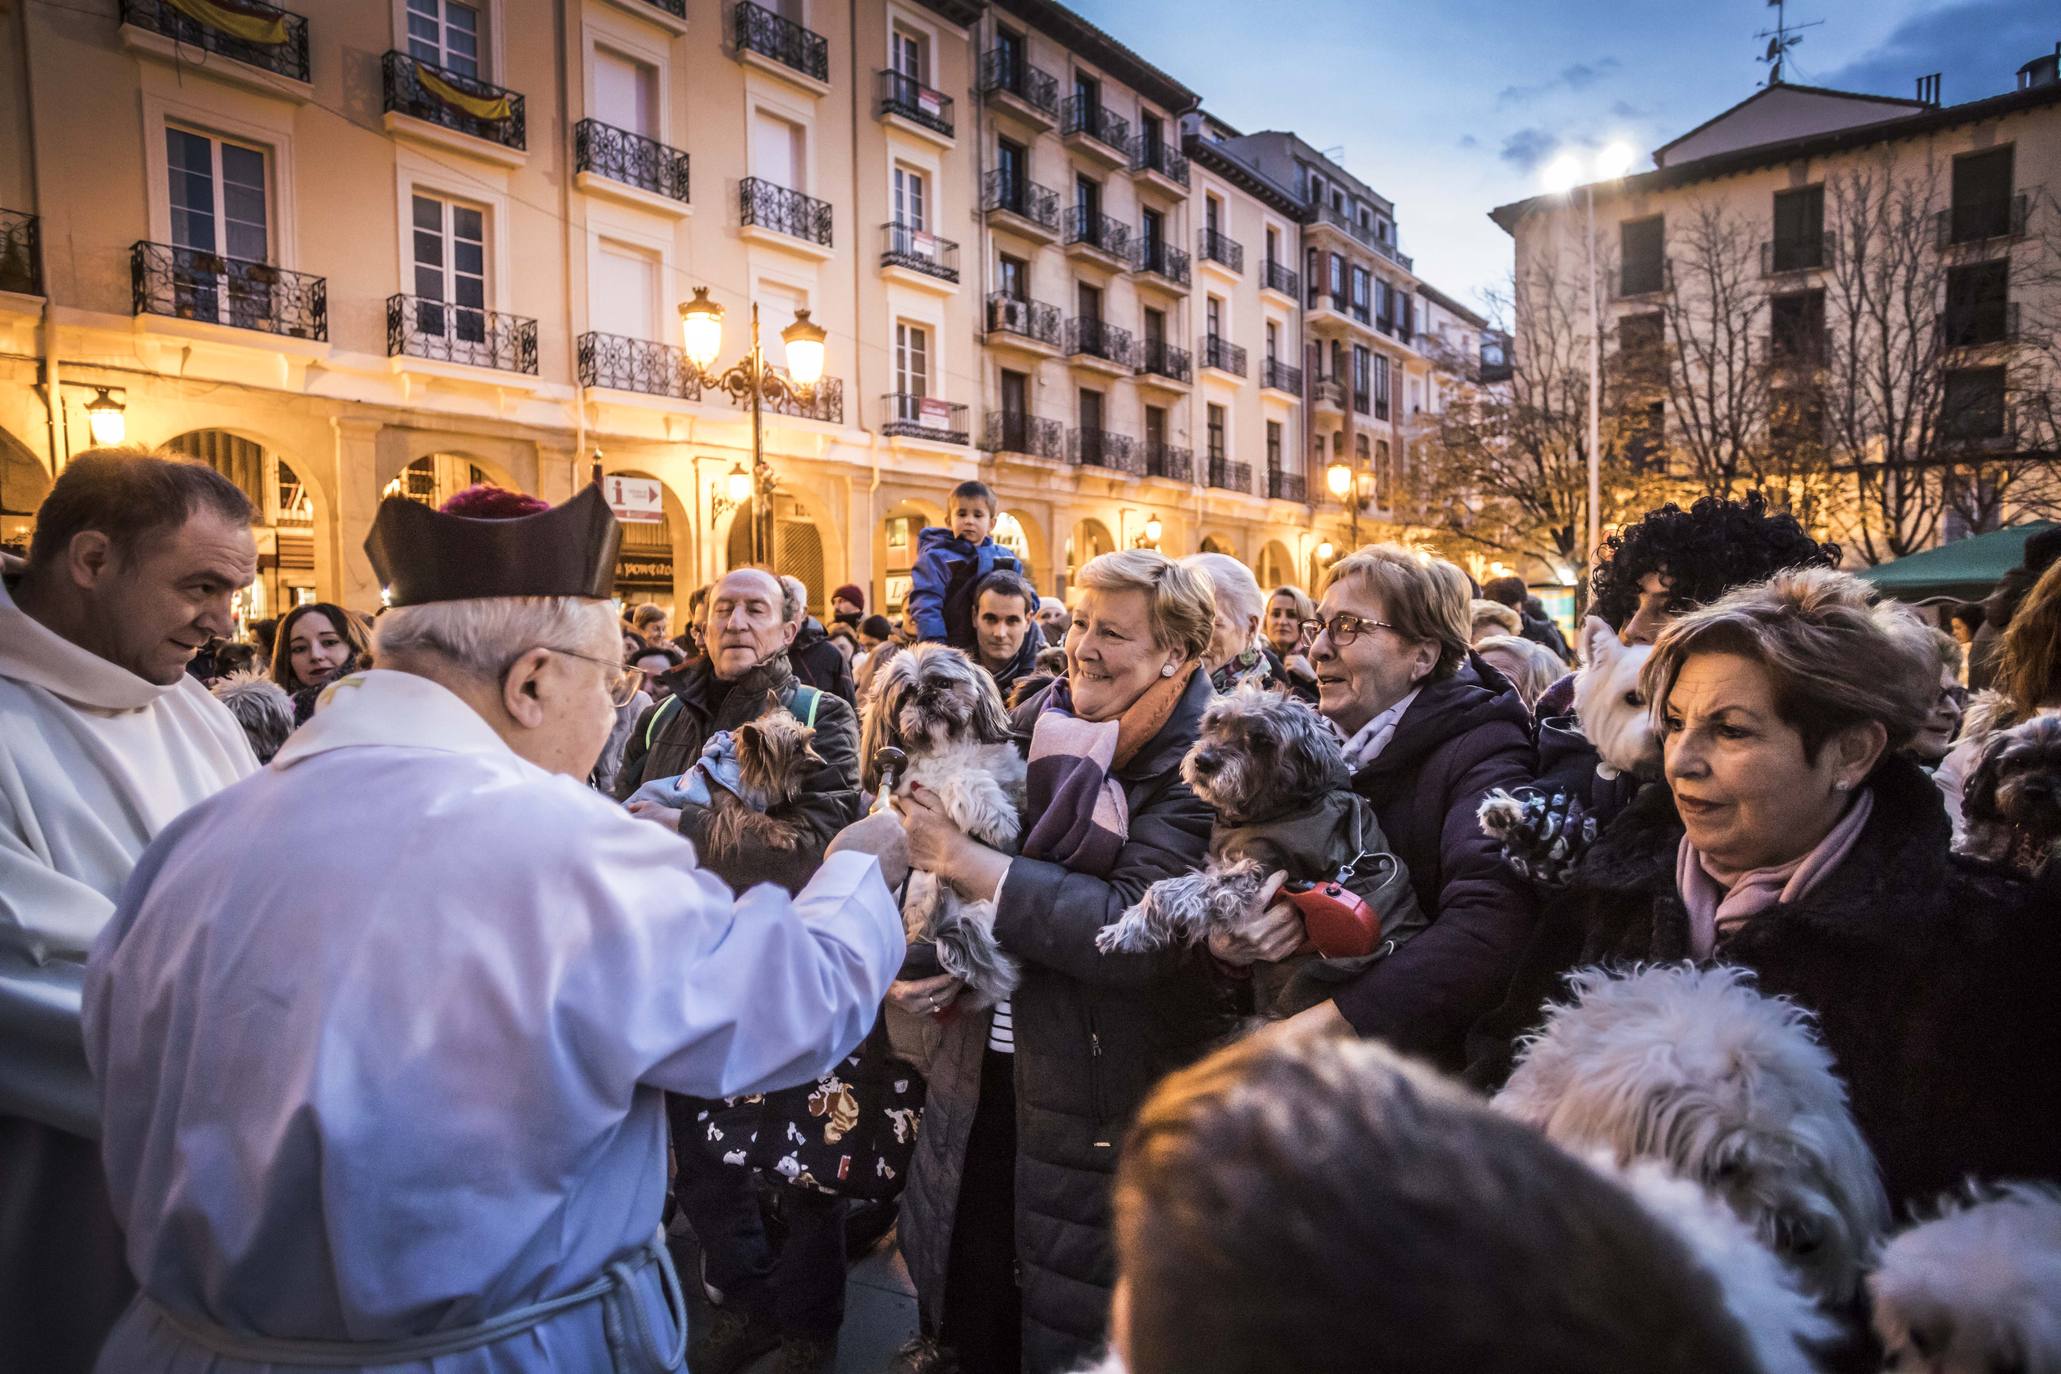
<point>1338,920</point>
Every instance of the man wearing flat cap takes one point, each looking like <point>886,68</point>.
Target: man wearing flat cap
<point>397,1103</point>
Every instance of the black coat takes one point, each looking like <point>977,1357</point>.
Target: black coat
<point>1094,1033</point>
<point>817,662</point>
<point>1932,979</point>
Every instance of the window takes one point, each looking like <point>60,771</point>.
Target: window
<point>1087,198</point>
<point>1273,445</point>
<point>624,299</point>
<point>1152,224</point>
<point>1646,443</point>
<point>1009,56</point>
<point>1010,161</point>
<point>450,269</point>
<point>1338,276</point>
<point>1642,349</point>
<point>1015,393</point>
<point>1216,434</point>
<point>1642,268</point>
<point>912,198</point>
<point>1363,378</point>
<point>1273,247</point>
<point>1273,342</point>
<point>909,55</point>
<point>1213,214</point>
<point>1089,301</point>
<point>1799,229</point>
<point>1091,409</point>
<point>1155,326</point>
<point>1088,91</point>
<point>1982,195</point>
<point>625,93</point>
<point>1796,326</point>
<point>776,151</point>
<point>1365,282</point>
<point>1012,278</point>
<point>912,359</point>
<point>1155,429</point>
<point>446,33</point>
<point>217,195</point>
<point>1978,303</point>
<point>1382,383</point>
<point>1973,405</point>
<point>1152,131</point>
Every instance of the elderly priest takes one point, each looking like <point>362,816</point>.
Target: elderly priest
<point>381,1033</point>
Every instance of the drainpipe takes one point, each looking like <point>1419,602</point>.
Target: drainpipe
<point>48,328</point>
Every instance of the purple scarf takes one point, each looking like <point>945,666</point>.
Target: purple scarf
<point>1081,815</point>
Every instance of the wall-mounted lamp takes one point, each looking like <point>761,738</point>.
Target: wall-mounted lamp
<point>733,491</point>
<point>107,419</point>
<point>1149,538</point>
<point>1325,550</point>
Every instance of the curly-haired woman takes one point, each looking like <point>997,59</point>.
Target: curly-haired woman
<point>2028,684</point>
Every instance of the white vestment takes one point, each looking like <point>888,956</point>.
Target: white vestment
<point>381,1033</point>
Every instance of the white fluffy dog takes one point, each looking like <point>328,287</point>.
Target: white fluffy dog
<point>1977,1289</point>
<point>1729,1088</point>
<point>1610,705</point>
<point>945,713</point>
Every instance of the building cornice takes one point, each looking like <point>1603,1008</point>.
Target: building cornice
<point>1260,187</point>
<point>1070,30</point>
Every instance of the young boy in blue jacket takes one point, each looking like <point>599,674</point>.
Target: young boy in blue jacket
<point>950,562</point>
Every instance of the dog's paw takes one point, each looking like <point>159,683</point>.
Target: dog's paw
<point>1499,814</point>
<point>1128,934</point>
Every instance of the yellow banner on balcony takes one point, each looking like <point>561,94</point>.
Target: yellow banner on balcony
<point>478,106</point>
<point>248,22</point>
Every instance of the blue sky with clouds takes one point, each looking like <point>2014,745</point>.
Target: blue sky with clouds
<point>1450,107</point>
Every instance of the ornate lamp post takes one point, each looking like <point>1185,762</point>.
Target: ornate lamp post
<point>755,380</point>
<point>1344,483</point>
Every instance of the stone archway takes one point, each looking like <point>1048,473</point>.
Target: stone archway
<point>894,550</point>
<point>290,507</point>
<point>1212,543</point>
<point>435,478</point>
<point>1090,539</point>
<point>1276,565</point>
<point>797,545</point>
<point>24,482</point>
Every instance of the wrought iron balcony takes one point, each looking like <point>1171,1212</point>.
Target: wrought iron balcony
<point>1365,234</point>
<point>1974,324</point>
<point>422,328</point>
<point>924,417</point>
<point>276,40</point>
<point>1082,115</point>
<point>1098,339</point>
<point>919,251</point>
<point>1162,259</point>
<point>1978,221</point>
<point>757,29</point>
<point>912,100</point>
<point>1279,376</point>
<point>1223,355</point>
<point>1230,476</point>
<point>1275,277</point>
<point>1158,156</point>
<point>1025,199</point>
<point>194,284</point>
<point>676,8</point>
<point>625,364</point>
<point>1287,486</point>
<point>1033,320</point>
<point>825,401</point>
<point>1010,431</point>
<point>21,252</point>
<point>1158,358</point>
<point>763,205</point>
<point>1101,448</point>
<point>1214,246</point>
<point>423,90</point>
<point>1003,73</point>
<point>632,159</point>
<point>1779,256</point>
<point>1104,233</point>
<point>1166,460</point>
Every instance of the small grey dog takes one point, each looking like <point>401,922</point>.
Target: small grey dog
<point>2012,802</point>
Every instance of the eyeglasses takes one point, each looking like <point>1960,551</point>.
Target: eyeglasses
<point>623,683</point>
<point>1344,628</point>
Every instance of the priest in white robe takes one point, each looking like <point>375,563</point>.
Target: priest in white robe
<point>381,1034</point>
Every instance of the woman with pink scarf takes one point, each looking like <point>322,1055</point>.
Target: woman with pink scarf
<point>1794,839</point>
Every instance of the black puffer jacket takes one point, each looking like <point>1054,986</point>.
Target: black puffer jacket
<point>1932,979</point>
<point>1094,1033</point>
<point>817,662</point>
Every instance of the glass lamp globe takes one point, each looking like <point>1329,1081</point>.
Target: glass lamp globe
<point>701,329</point>
<point>804,340</point>
<point>1339,478</point>
<point>106,421</point>
<point>737,485</point>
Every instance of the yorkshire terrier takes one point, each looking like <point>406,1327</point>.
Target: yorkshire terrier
<point>772,757</point>
<point>2012,801</point>
<point>945,714</point>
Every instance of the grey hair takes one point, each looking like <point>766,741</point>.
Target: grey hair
<point>482,636</point>
<point>1238,591</point>
<point>794,598</point>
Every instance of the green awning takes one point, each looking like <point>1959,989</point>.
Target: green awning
<point>1966,569</point>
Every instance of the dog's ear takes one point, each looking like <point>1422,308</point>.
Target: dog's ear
<point>1979,793</point>
<point>1599,643</point>
<point>877,721</point>
<point>990,717</point>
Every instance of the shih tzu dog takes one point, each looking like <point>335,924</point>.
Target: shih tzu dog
<point>1276,776</point>
<point>772,753</point>
<point>2012,801</point>
<point>1976,1289</point>
<point>944,713</point>
<point>1728,1088</point>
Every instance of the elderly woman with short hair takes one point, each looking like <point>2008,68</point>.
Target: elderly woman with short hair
<point>1795,839</point>
<point>1236,656</point>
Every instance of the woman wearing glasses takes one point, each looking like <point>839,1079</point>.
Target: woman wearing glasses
<point>1429,729</point>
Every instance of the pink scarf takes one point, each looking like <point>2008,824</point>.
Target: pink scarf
<point>1720,903</point>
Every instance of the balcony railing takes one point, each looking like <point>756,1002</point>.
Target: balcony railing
<point>1010,431</point>
<point>1157,155</point>
<point>1223,355</point>
<point>423,90</point>
<point>1162,259</point>
<point>1098,339</point>
<point>1287,486</point>
<point>919,251</point>
<point>825,401</point>
<point>676,8</point>
<point>1032,320</point>
<point>1977,221</point>
<point>1215,246</point>
<point>631,159</point>
<point>1168,461</point>
<point>763,205</point>
<point>421,328</point>
<point>912,100</point>
<point>1280,376</point>
<point>1972,324</point>
<point>1101,448</point>
<point>625,364</point>
<point>1230,476</point>
<point>1008,74</point>
<point>1079,114</point>
<point>924,417</point>
<point>1102,232</point>
<point>1022,198</point>
<point>273,39</point>
<point>1778,256</point>
<point>195,284</point>
<point>757,29</point>
<point>21,252</point>
<point>1159,358</point>
<point>1275,277</point>
<point>1366,234</point>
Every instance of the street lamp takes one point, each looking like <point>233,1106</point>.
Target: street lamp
<point>1344,483</point>
<point>106,420</point>
<point>755,380</point>
<point>1562,175</point>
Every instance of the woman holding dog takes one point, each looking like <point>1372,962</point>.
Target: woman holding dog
<point>1058,1070</point>
<point>1793,839</point>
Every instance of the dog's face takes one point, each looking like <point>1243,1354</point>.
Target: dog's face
<point>1261,754</point>
<point>1972,1291</point>
<point>930,696</point>
<point>1613,711</point>
<point>772,753</point>
<point>2018,780</point>
<point>1729,1088</point>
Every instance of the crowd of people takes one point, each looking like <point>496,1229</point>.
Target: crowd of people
<point>1678,1001</point>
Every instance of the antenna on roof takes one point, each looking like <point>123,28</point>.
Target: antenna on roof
<point>1781,39</point>
<point>1336,154</point>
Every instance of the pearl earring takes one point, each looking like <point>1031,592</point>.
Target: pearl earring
<point>1842,786</point>
<point>1166,670</point>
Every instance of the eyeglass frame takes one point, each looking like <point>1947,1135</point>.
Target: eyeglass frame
<point>625,676</point>
<point>1312,628</point>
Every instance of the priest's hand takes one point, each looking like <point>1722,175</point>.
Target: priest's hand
<point>924,996</point>
<point>881,836</point>
<point>667,816</point>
